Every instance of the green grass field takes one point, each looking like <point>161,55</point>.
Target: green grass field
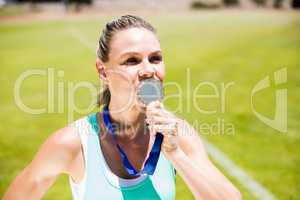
<point>220,47</point>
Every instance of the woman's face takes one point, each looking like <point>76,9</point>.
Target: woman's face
<point>135,54</point>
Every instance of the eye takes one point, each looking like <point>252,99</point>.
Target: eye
<point>155,59</point>
<point>131,61</point>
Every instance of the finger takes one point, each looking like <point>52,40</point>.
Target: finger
<point>169,135</point>
<point>170,142</point>
<point>154,104</point>
<point>156,112</point>
<point>160,112</point>
<point>170,128</point>
<point>162,120</point>
<point>151,105</point>
<point>169,148</point>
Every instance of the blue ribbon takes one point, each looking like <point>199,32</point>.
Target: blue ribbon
<point>151,161</point>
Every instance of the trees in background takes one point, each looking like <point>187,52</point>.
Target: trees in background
<point>277,4</point>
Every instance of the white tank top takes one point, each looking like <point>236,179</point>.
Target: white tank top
<point>99,182</point>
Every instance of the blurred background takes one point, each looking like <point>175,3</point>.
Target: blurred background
<point>216,51</point>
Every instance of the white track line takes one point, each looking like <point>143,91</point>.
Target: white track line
<point>255,188</point>
<point>78,36</point>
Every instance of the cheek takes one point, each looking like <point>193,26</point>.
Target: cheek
<point>132,72</point>
<point>121,78</point>
<point>134,76</point>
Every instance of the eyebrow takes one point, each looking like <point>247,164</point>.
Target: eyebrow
<point>132,53</point>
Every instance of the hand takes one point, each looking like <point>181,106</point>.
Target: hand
<point>160,120</point>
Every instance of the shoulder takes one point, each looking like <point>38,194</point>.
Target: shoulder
<point>66,138</point>
<point>55,155</point>
<point>60,148</point>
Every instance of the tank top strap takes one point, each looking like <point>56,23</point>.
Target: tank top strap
<point>82,128</point>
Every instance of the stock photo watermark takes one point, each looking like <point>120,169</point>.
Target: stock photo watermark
<point>61,98</point>
<point>279,122</point>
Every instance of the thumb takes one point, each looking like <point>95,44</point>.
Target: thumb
<point>155,104</point>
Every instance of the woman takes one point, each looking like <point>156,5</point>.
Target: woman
<point>129,53</point>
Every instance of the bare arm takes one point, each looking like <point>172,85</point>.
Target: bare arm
<point>184,148</point>
<point>53,158</point>
<point>201,176</point>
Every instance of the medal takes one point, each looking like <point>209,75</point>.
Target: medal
<point>148,91</point>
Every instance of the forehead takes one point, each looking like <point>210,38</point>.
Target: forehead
<point>134,39</point>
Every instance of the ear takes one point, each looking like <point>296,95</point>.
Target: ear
<point>101,69</point>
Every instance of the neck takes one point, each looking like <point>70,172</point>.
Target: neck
<point>128,123</point>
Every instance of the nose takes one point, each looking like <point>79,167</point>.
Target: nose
<point>146,71</point>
